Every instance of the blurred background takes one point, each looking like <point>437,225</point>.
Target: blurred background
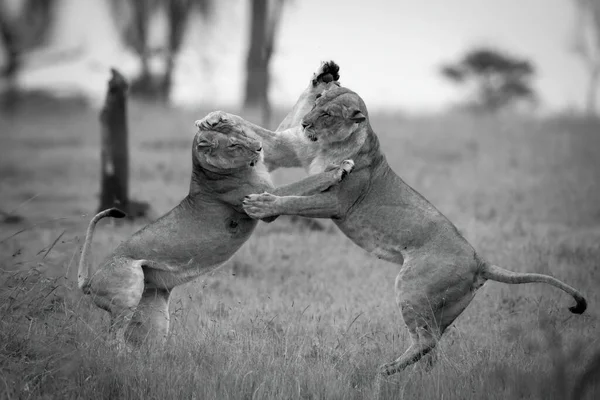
<point>396,54</point>
<point>486,107</point>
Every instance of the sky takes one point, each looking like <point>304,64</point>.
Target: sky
<point>402,43</point>
<point>389,50</point>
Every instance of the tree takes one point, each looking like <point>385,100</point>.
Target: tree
<point>497,80</point>
<point>265,17</point>
<point>178,12</point>
<point>586,44</point>
<point>20,34</point>
<point>135,16</point>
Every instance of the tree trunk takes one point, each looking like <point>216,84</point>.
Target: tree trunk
<point>115,152</point>
<point>13,63</point>
<point>178,13</point>
<point>592,91</point>
<point>20,34</point>
<point>143,84</point>
<point>257,74</point>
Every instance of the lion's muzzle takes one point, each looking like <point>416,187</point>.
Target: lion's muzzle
<point>310,134</point>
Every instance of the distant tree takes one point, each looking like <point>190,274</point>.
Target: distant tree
<point>586,44</point>
<point>265,17</point>
<point>496,80</point>
<point>22,33</point>
<point>178,12</point>
<point>136,36</point>
<point>135,18</point>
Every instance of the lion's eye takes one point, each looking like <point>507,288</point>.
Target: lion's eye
<point>233,145</point>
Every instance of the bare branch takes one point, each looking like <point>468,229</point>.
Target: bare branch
<point>586,45</point>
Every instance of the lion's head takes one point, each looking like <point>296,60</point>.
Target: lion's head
<point>224,148</point>
<point>338,113</point>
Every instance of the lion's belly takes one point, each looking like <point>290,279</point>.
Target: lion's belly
<point>397,229</point>
<point>179,275</point>
<point>183,249</point>
<point>390,232</point>
<point>368,234</point>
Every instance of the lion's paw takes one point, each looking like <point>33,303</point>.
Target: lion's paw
<point>259,206</point>
<point>213,119</point>
<point>346,167</point>
<point>327,72</point>
<point>342,170</point>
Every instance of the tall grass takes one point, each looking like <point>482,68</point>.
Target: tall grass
<point>53,346</point>
<point>300,314</point>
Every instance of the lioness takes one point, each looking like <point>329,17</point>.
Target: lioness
<point>379,212</point>
<point>209,225</point>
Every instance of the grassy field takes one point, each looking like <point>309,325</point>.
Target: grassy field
<point>296,313</point>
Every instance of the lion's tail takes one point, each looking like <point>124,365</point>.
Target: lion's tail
<point>83,279</point>
<point>496,273</point>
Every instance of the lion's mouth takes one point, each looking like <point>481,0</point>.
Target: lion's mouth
<point>310,135</point>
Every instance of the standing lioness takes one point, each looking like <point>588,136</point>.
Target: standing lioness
<point>379,212</point>
<point>202,232</point>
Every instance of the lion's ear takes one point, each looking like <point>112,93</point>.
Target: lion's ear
<point>357,116</point>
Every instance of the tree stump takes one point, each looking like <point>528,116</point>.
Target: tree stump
<point>114,157</point>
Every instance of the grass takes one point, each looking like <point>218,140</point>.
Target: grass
<point>302,314</point>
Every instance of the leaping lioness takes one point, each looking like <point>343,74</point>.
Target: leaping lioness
<point>209,225</point>
<point>440,271</point>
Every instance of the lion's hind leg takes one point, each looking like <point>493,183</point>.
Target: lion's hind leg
<point>423,341</point>
<point>150,322</point>
<point>429,360</point>
<point>117,287</point>
<point>431,294</point>
<point>419,317</point>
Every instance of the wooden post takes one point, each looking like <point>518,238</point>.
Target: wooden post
<point>114,157</point>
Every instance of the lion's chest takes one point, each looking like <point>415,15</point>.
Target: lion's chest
<point>214,240</point>
<point>318,165</point>
<point>238,227</point>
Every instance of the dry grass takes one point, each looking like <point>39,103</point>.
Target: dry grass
<point>299,314</point>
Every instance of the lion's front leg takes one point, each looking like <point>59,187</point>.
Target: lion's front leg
<point>314,184</point>
<point>323,205</point>
<point>322,79</point>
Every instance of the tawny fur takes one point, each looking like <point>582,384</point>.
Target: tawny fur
<point>209,225</point>
<point>440,271</point>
